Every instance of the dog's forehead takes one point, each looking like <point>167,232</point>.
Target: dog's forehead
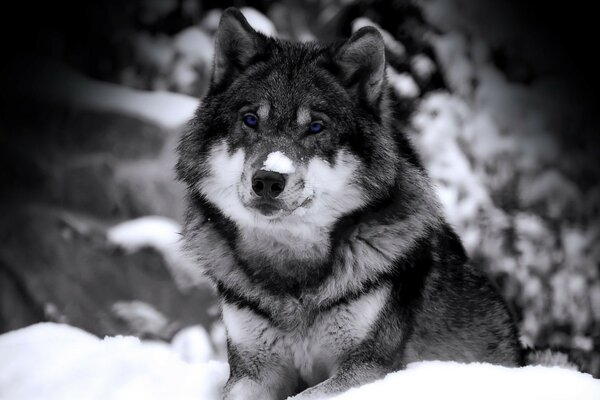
<point>287,94</point>
<point>285,85</point>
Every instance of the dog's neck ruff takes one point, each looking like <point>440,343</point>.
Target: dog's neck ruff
<point>370,247</point>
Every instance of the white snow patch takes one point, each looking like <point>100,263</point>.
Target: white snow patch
<point>162,234</point>
<point>142,318</point>
<point>211,19</point>
<point>259,21</point>
<point>184,75</point>
<point>423,66</point>
<point>151,231</point>
<point>195,45</point>
<point>278,162</point>
<point>451,50</point>
<point>449,380</point>
<point>403,84</point>
<point>52,361</point>
<point>58,83</point>
<point>193,345</point>
<point>55,361</point>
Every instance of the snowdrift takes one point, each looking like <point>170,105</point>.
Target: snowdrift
<point>54,361</point>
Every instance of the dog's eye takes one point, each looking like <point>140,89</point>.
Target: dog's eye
<point>315,127</point>
<point>250,120</point>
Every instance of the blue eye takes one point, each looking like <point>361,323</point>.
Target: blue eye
<point>250,120</point>
<point>315,127</point>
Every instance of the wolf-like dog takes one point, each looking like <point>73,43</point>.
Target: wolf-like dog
<point>310,211</point>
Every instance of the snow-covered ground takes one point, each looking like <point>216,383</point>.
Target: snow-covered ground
<point>53,361</point>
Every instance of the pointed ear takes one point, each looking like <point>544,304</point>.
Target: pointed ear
<point>362,61</point>
<point>235,45</point>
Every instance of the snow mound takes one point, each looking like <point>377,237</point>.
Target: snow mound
<point>449,380</point>
<point>54,361</point>
<point>151,231</point>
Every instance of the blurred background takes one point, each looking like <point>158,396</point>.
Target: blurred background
<point>500,99</point>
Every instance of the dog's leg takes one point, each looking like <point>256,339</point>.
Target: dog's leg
<point>349,375</point>
<point>246,389</point>
<point>253,388</point>
<point>259,369</point>
<point>257,375</point>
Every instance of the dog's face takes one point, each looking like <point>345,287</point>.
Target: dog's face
<point>290,132</point>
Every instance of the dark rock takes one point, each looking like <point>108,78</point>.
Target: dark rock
<point>149,187</point>
<point>17,306</point>
<point>122,136</point>
<point>109,165</point>
<point>61,270</point>
<point>52,132</point>
<point>87,185</point>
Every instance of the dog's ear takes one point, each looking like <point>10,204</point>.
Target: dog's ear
<point>235,45</point>
<point>361,60</point>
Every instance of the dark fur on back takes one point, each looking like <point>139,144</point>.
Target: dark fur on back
<point>390,250</point>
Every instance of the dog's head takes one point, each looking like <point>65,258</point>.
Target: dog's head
<point>291,131</point>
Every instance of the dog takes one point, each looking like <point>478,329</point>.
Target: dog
<point>312,214</point>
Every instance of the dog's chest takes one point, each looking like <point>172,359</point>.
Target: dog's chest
<point>314,350</point>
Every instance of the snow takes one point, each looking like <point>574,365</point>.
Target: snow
<point>162,234</point>
<point>142,317</point>
<point>440,122</point>
<point>52,361</point>
<point>56,82</point>
<point>498,149</point>
<point>193,345</point>
<point>422,66</point>
<point>449,380</point>
<point>195,45</point>
<point>56,361</point>
<point>211,19</point>
<point>451,50</point>
<point>278,162</point>
<point>151,231</point>
<point>549,185</point>
<point>259,21</point>
<point>403,83</point>
<point>184,75</point>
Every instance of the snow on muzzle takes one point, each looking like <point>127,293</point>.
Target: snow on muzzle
<point>274,183</point>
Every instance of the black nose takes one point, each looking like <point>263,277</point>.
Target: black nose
<point>268,184</point>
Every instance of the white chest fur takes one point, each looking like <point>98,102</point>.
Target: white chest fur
<point>313,353</point>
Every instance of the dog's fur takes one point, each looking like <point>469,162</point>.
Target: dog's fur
<point>353,272</point>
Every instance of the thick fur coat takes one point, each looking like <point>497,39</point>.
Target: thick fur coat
<point>337,266</point>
